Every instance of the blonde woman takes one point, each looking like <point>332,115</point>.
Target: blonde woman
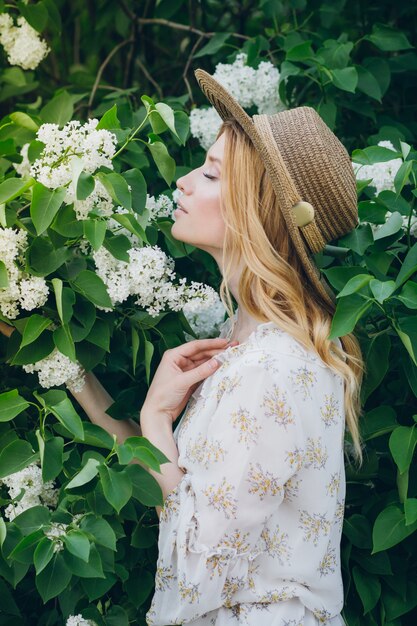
<point>254,494</point>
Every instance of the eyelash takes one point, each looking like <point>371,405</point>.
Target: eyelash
<point>208,176</point>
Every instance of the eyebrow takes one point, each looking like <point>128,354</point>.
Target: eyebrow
<point>211,158</point>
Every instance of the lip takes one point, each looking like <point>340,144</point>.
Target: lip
<point>181,207</point>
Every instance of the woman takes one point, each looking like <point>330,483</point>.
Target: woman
<point>254,494</point>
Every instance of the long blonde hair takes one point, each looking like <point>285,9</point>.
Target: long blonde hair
<point>273,285</point>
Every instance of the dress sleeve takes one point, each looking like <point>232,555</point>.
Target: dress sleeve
<point>211,523</point>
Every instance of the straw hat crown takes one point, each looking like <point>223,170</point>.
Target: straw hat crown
<point>310,170</point>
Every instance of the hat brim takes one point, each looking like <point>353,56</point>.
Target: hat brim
<point>229,108</point>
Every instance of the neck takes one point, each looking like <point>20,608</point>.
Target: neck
<point>245,322</point>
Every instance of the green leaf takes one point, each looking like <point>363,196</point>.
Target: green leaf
<point>45,205</point>
<point>43,554</point>
<point>94,232</point>
<point>32,519</point>
<point>300,52</point>
<point>378,422</point>
<point>52,458</point>
<point>408,267</point>
<point>145,488</point>
<point>215,43</point>
<point>167,114</point>
<point>36,351</point>
<point>35,326</point>
<point>182,124</point>
<point>117,188</point>
<point>35,14</point>
<point>59,110</point>
<point>85,186</point>
<point>406,329</point>
<point>92,569</point>
<point>149,350</point>
<point>64,341</point>
<point>348,312</point>
<point>24,120</point>
<point>11,404</point>
<point>164,162</point>
<point>368,588</point>
<point>368,84</point>
<point>388,39</point>
<point>130,223</point>
<point>4,277</point>
<point>382,289</point>
<point>118,245</point>
<point>137,182</point>
<point>54,578</point>
<point>44,258</point>
<point>109,120</point>
<point>372,155</point>
<point>66,414</point>
<point>16,456</point>
<point>11,188</point>
<point>77,543</point>
<point>358,530</point>
<point>402,176</point>
<point>402,443</point>
<point>90,285</point>
<point>358,239</point>
<point>3,531</point>
<point>408,295</point>
<point>345,79</point>
<point>390,529</point>
<point>100,531</point>
<point>99,335</point>
<point>87,473</point>
<point>410,509</point>
<point>355,284</point>
<point>117,486</point>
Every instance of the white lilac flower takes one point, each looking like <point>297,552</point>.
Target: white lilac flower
<point>22,43</point>
<point>36,492</point>
<point>149,276</point>
<point>205,321</point>
<point>22,290</point>
<point>33,292</point>
<point>99,200</point>
<point>159,207</point>
<point>249,86</point>
<point>78,620</point>
<point>205,123</point>
<point>23,168</point>
<point>57,369</point>
<point>382,174</point>
<point>55,532</point>
<point>54,168</point>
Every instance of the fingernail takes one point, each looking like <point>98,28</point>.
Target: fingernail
<point>213,363</point>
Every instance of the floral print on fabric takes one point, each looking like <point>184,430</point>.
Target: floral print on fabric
<point>251,534</point>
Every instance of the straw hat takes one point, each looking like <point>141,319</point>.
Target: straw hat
<point>310,170</point>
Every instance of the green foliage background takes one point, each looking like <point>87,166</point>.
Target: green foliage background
<point>354,62</point>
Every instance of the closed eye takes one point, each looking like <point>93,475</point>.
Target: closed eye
<point>208,176</point>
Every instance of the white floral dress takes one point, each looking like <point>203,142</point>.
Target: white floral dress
<point>251,534</point>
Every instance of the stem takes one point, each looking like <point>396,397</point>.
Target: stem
<point>129,139</point>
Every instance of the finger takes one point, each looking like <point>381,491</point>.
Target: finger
<point>183,361</point>
<point>201,371</point>
<point>194,347</point>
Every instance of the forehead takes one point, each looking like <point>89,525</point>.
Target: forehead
<point>217,149</point>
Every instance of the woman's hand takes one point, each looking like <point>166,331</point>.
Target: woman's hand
<point>179,373</point>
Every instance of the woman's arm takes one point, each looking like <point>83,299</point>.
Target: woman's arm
<point>95,400</point>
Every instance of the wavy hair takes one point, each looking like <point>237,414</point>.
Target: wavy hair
<point>273,285</point>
